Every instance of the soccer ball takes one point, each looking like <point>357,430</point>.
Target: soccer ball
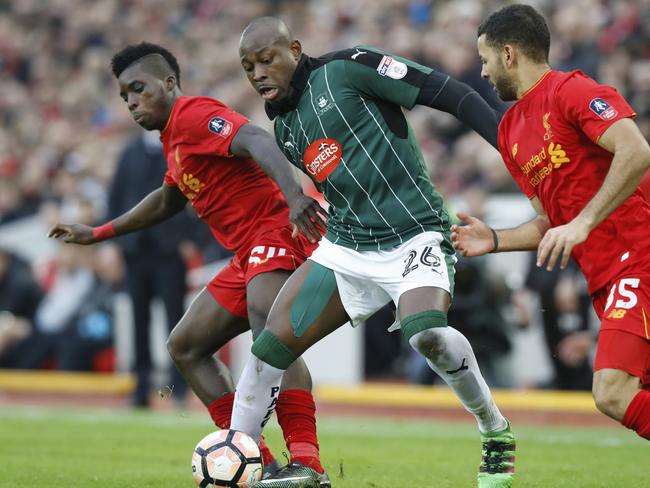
<point>226,458</point>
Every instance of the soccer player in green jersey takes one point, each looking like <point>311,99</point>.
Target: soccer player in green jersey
<point>339,119</point>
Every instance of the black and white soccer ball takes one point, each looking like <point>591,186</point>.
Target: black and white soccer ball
<point>226,458</point>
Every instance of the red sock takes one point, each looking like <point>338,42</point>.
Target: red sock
<point>637,415</point>
<point>221,411</point>
<point>296,413</point>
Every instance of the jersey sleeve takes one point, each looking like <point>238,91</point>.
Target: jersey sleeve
<point>377,74</point>
<point>168,179</point>
<point>590,106</point>
<point>208,127</point>
<point>515,171</point>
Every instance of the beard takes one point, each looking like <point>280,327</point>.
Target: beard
<point>505,86</point>
<point>506,89</point>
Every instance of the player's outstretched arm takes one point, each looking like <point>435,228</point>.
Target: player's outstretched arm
<point>442,92</point>
<point>476,238</point>
<point>305,213</point>
<point>630,162</point>
<point>159,205</point>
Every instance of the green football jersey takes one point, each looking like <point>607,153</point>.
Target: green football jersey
<point>345,128</point>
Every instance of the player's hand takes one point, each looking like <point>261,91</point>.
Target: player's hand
<point>307,216</point>
<point>72,233</point>
<point>472,239</point>
<point>558,242</point>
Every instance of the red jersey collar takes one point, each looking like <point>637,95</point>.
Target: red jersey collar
<point>537,83</point>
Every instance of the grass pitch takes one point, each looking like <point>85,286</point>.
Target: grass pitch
<point>58,448</point>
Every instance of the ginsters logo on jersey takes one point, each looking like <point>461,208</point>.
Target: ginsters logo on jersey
<point>322,157</point>
<point>603,109</point>
<point>392,68</point>
<point>220,126</point>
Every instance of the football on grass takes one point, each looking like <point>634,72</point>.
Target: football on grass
<point>226,458</point>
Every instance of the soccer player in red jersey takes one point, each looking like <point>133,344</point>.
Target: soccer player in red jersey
<point>573,148</point>
<point>215,158</point>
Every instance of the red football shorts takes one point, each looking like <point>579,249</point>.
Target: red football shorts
<point>624,340</point>
<point>271,251</point>
<point>624,351</point>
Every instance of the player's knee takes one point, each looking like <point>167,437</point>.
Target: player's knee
<point>426,332</point>
<point>429,342</point>
<point>273,351</point>
<point>180,346</point>
<point>607,393</point>
<point>176,346</point>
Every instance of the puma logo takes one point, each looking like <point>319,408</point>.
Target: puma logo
<point>358,53</point>
<point>463,366</point>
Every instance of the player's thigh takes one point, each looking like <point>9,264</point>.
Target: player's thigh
<point>261,292</point>
<point>423,299</point>
<point>206,326</point>
<point>307,308</point>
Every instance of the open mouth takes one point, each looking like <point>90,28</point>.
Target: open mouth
<point>268,92</point>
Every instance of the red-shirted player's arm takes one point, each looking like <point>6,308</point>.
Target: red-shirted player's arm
<point>159,205</point>
<point>305,213</point>
<point>476,238</point>
<point>630,162</point>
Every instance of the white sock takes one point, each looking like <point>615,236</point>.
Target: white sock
<point>450,355</point>
<point>255,397</point>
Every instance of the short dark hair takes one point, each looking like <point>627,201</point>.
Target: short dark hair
<point>520,25</point>
<point>134,52</point>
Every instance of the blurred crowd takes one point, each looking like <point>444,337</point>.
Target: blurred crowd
<point>63,129</point>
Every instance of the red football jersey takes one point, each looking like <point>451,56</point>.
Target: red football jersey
<point>233,195</point>
<point>548,140</point>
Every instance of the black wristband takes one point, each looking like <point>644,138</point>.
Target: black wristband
<point>495,238</point>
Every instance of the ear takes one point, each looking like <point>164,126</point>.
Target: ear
<point>509,54</point>
<point>296,49</point>
<point>170,82</point>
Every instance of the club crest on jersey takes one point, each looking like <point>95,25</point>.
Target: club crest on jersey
<point>548,134</point>
<point>321,158</point>
<point>323,103</point>
<point>392,68</point>
<point>220,126</point>
<point>603,109</point>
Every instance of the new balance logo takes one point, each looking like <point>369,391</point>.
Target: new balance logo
<point>358,53</point>
<point>463,366</point>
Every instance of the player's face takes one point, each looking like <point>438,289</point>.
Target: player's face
<point>148,97</point>
<point>493,70</point>
<point>270,67</point>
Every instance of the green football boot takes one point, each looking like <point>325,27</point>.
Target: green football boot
<point>497,469</point>
<point>294,475</point>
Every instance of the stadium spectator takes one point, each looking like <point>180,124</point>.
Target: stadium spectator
<point>19,298</point>
<point>74,321</point>
<point>154,265</point>
<point>566,316</point>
